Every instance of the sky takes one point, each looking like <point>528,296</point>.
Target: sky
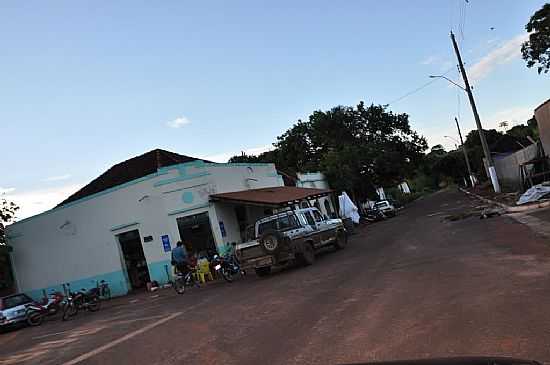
<point>88,84</point>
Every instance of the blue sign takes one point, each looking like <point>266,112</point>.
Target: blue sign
<point>166,243</point>
<point>222,229</point>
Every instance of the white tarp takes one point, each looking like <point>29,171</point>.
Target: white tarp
<point>534,193</point>
<point>347,208</point>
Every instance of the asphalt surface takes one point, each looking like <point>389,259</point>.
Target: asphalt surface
<point>414,286</point>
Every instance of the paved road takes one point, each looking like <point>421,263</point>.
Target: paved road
<point>414,286</point>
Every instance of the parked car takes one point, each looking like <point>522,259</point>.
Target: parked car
<point>291,235</point>
<point>386,207</point>
<point>13,309</point>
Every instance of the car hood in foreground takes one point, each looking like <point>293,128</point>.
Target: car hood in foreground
<point>459,361</point>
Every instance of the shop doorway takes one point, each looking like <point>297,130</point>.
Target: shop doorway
<point>134,258</point>
<point>196,234</point>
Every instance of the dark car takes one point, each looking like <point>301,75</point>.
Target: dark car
<point>13,308</point>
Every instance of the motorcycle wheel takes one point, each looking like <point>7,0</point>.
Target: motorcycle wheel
<point>94,305</point>
<point>179,286</point>
<point>34,318</point>
<point>69,310</point>
<point>54,308</point>
<point>227,275</point>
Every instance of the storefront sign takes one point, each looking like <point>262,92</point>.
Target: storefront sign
<point>166,243</point>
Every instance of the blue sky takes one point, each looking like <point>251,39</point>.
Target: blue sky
<point>89,84</point>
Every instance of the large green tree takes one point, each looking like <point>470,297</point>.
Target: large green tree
<point>357,148</point>
<point>536,50</point>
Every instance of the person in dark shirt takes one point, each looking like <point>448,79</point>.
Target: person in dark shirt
<point>179,258</point>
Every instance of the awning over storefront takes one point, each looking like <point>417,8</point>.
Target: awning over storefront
<point>274,197</point>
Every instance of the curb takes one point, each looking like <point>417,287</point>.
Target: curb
<point>508,208</point>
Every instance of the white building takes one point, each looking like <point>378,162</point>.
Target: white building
<point>317,180</point>
<point>121,227</point>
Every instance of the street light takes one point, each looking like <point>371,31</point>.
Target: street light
<point>448,79</point>
<point>463,148</point>
<point>454,140</point>
<point>468,89</point>
<point>486,151</point>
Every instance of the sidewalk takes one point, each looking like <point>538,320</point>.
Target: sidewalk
<point>507,201</point>
<point>534,215</point>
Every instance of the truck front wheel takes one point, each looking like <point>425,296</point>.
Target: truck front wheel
<point>341,240</point>
<point>307,256</point>
<point>263,271</point>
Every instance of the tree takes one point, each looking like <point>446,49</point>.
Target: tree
<point>7,214</point>
<point>475,150</point>
<point>536,51</point>
<point>437,150</point>
<point>357,148</point>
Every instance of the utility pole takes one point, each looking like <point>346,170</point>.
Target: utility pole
<point>472,178</point>
<point>486,152</point>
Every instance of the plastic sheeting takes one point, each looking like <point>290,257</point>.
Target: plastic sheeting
<point>347,208</point>
<point>534,193</point>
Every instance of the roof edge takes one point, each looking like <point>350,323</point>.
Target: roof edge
<point>543,104</point>
<point>160,171</point>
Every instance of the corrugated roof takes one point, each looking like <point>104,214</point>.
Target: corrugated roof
<point>129,170</point>
<point>275,196</point>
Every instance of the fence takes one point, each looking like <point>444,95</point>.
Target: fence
<point>508,167</point>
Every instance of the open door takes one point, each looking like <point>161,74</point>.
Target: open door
<point>134,259</point>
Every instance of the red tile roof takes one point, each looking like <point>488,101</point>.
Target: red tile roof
<point>275,196</point>
<point>129,170</point>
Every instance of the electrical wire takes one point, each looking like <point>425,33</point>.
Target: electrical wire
<point>414,91</point>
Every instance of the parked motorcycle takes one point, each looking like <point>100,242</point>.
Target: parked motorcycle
<point>227,266</point>
<point>84,299</point>
<point>374,215</point>
<point>37,311</point>
<point>184,280</point>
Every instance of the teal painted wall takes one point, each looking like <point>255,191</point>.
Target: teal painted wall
<point>157,271</point>
<point>187,197</point>
<point>116,280</point>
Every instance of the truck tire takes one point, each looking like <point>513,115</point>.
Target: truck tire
<point>271,241</point>
<point>307,256</point>
<point>263,271</point>
<point>341,240</point>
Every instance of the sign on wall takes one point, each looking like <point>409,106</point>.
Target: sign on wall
<point>166,243</point>
<point>222,229</point>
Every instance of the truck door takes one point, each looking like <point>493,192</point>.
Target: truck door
<point>324,229</point>
<point>315,234</point>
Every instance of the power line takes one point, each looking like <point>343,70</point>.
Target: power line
<point>418,88</point>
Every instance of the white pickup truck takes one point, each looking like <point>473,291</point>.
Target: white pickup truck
<point>290,235</point>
